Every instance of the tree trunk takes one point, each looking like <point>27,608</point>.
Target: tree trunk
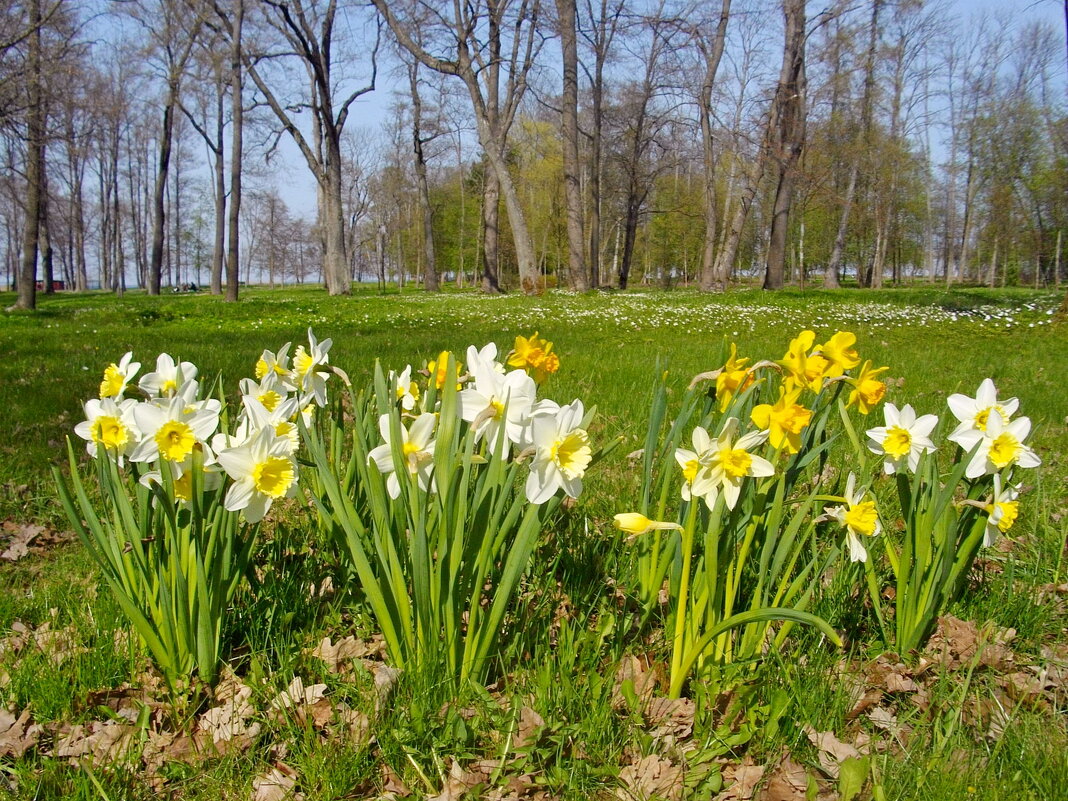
<point>789,105</point>
<point>155,264</point>
<point>430,268</point>
<point>576,243</point>
<point>35,164</point>
<point>490,234</point>
<point>233,251</point>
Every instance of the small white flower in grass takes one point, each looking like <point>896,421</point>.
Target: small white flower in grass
<point>309,373</point>
<point>167,378</point>
<point>417,452</point>
<point>903,439</point>
<point>562,453</point>
<point>974,413</point>
<point>169,430</point>
<point>859,517</point>
<point>111,425</point>
<point>498,404</point>
<point>729,462</point>
<point>1003,510</point>
<point>117,376</point>
<point>1000,445</point>
<point>262,470</point>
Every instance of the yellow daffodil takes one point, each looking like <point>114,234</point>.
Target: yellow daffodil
<point>732,379</point>
<point>439,367</point>
<point>868,390</point>
<point>535,356</point>
<point>784,421</point>
<point>804,369</point>
<point>637,524</point>
<point>840,353</point>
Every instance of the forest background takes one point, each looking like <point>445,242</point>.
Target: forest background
<point>525,144</point>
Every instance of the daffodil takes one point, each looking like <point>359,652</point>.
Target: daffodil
<point>280,419</point>
<point>438,370</point>
<point>694,462</point>
<point>182,475</point>
<point>868,390</point>
<point>859,517</point>
<point>405,390</point>
<point>562,453</point>
<point>534,355</point>
<point>975,413</point>
<point>497,404</point>
<point>999,446</point>
<point>730,461</point>
<point>733,378</point>
<point>276,364</point>
<point>167,378</point>
<point>309,373</point>
<point>269,390</point>
<point>1002,511</point>
<point>840,353</point>
<point>802,368</point>
<point>784,421</point>
<point>109,424</point>
<point>262,471</point>
<point>485,356</point>
<point>171,427</point>
<point>903,439</point>
<point>637,524</point>
<point>417,452</point>
<point>117,376</point>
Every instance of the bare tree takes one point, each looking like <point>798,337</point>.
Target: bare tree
<point>310,34</point>
<point>576,244</point>
<point>475,37</point>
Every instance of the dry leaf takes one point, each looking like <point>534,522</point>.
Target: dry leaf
<point>643,676</point>
<point>385,680</point>
<point>231,719</point>
<point>297,695</point>
<point>652,776</point>
<point>744,778</point>
<point>276,785</point>
<point>17,734</point>
<point>788,782</point>
<point>832,751</point>
<point>100,742</point>
<point>670,717</point>
<point>458,783</point>
<point>346,649</point>
<point>530,726</point>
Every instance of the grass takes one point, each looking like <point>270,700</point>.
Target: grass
<point>572,627</point>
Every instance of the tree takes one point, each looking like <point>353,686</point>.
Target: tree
<point>576,245</point>
<point>309,31</point>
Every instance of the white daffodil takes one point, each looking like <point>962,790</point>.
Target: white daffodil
<point>859,517</point>
<point>974,413</point>
<point>168,376</point>
<point>562,453</point>
<point>1002,511</point>
<point>111,425</point>
<point>280,419</point>
<point>169,430</point>
<point>1000,445</point>
<point>484,357</point>
<point>117,376</point>
<point>262,471</point>
<point>903,439</point>
<point>417,451</point>
<point>182,475</point>
<point>308,373</point>
<point>269,391</point>
<point>405,391</point>
<point>729,462</point>
<point>694,464</point>
<point>497,404</point>
<point>274,364</point>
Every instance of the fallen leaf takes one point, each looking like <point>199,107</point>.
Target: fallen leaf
<point>744,778</point>
<point>17,734</point>
<point>651,776</point>
<point>788,782</point>
<point>231,720</point>
<point>277,784</point>
<point>832,751</point>
<point>530,726</point>
<point>100,742</point>
<point>346,649</point>
<point>670,717</point>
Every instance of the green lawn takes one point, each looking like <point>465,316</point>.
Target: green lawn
<point>559,722</point>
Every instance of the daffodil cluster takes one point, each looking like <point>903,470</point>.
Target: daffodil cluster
<point>501,407</point>
<point>170,426</point>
